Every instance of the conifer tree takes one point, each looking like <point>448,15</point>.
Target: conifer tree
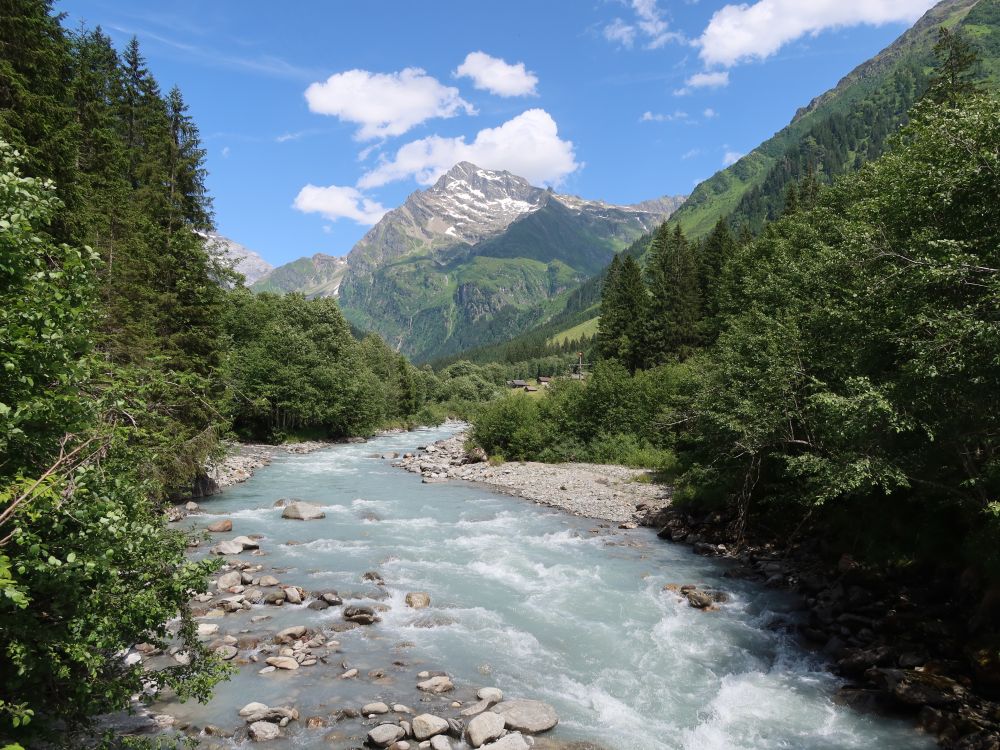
<point>624,311</point>
<point>955,76</point>
<point>674,281</point>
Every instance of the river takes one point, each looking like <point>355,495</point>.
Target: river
<point>527,599</point>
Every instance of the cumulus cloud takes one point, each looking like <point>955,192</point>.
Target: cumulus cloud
<point>648,22</point>
<point>527,145</point>
<point>710,113</point>
<point>337,202</point>
<point>385,104</point>
<point>715,80</point>
<point>497,76</point>
<point>731,157</point>
<point>737,33</point>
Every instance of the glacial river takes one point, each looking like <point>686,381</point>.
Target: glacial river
<point>524,598</point>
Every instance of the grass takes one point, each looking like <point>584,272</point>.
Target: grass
<point>586,328</point>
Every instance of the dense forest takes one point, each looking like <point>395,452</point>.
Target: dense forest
<point>838,369</point>
<point>129,352</point>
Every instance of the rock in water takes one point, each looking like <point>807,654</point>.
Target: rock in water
<point>301,511</point>
<point>512,741</point>
<point>252,708</point>
<point>418,599</point>
<point>219,527</point>
<point>385,734</point>
<point>527,716</point>
<point>374,708</point>
<point>229,579</point>
<point>440,684</point>
<point>290,634</point>
<point>263,731</point>
<point>485,727</point>
<point>282,662</point>
<point>440,742</point>
<point>491,694</point>
<point>426,726</point>
<point>227,548</point>
<point>361,615</point>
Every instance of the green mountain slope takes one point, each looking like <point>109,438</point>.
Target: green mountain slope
<point>843,127</point>
<point>316,276</point>
<point>833,134</point>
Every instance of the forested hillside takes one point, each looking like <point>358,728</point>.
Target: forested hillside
<point>128,351</point>
<point>839,366</point>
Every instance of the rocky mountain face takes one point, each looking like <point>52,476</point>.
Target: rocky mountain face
<point>241,258</point>
<point>475,258</point>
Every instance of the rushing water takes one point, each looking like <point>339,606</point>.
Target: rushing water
<point>528,599</point>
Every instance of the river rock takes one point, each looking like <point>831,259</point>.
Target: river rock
<point>282,662</point>
<point>374,708</point>
<point>418,599</point>
<point>226,580</point>
<point>385,734</point>
<point>301,511</point>
<point>247,542</point>
<point>332,598</point>
<point>514,741</point>
<point>440,742</point>
<point>699,599</point>
<point>220,527</point>
<point>437,685</point>
<point>264,731</point>
<point>475,708</point>
<point>426,726</point>
<point>251,708</point>
<point>491,694</point>
<point>527,716</point>
<point>318,604</point>
<point>206,629</point>
<point>292,595</point>
<point>485,727</point>
<point>227,548</point>
<point>290,634</point>
<point>226,652</point>
<point>361,615</point>
<point>267,580</point>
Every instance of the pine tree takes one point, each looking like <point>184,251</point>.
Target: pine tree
<point>955,76</point>
<point>674,281</point>
<point>624,311</point>
<point>189,201</point>
<point>715,250</point>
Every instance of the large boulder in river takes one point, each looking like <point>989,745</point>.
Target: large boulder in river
<point>264,731</point>
<point>385,734</point>
<point>301,511</point>
<point>513,741</point>
<point>222,526</point>
<point>227,548</point>
<point>426,726</point>
<point>485,727</point>
<point>527,716</point>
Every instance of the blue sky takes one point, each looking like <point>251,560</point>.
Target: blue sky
<point>319,116</point>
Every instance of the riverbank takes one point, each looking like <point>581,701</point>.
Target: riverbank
<point>901,643</point>
<point>610,493</point>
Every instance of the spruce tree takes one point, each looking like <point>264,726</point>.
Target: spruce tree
<point>955,75</point>
<point>675,297</point>
<point>624,311</point>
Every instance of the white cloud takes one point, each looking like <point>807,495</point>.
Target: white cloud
<point>620,32</point>
<point>691,154</point>
<point>497,76</point>
<point>737,33</point>
<point>716,80</point>
<point>385,104</point>
<point>660,117</point>
<point>225,152</point>
<point>336,202</point>
<point>327,229</point>
<point>648,22</point>
<point>710,113</point>
<point>527,145</point>
<point>731,158</point>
